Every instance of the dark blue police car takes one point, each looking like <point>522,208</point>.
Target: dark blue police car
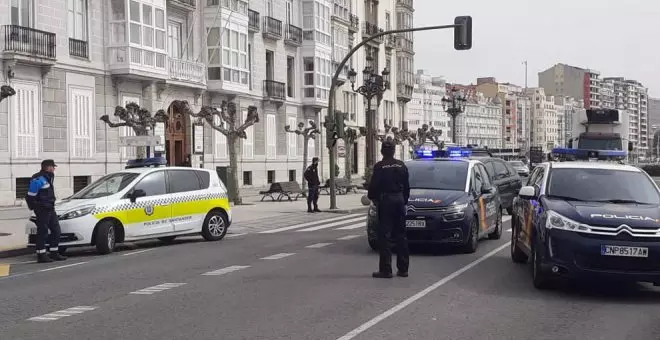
<point>452,202</point>
<point>588,220</point>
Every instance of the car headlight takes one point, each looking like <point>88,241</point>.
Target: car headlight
<point>78,212</point>
<point>558,221</point>
<point>372,210</point>
<point>455,212</point>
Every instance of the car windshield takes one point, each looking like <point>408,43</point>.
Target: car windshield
<point>438,175</point>
<point>106,185</point>
<point>603,185</point>
<point>517,164</point>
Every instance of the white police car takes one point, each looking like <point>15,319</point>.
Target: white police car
<point>144,201</point>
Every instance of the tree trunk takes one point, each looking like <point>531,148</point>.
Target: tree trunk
<point>232,145</point>
<point>305,154</point>
<point>348,160</point>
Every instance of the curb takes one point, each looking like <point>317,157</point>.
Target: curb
<point>15,252</point>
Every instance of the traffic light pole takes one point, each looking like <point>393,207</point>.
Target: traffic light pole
<point>334,118</point>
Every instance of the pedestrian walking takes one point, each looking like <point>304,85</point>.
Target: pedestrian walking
<point>41,199</point>
<point>389,190</point>
<point>312,177</point>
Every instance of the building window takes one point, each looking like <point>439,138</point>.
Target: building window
<point>22,185</point>
<point>269,8</point>
<point>311,149</point>
<point>316,22</point>
<point>127,131</point>
<point>174,40</point>
<point>292,175</point>
<point>147,26</point>
<point>77,19</point>
<point>80,182</point>
<point>293,139</point>
<point>308,77</point>
<point>21,13</point>
<point>290,77</point>
<point>26,116</point>
<point>220,140</point>
<point>248,143</point>
<point>213,57</point>
<point>317,76</point>
<point>82,122</point>
<point>289,12</point>
<point>236,6</point>
<point>350,105</point>
<point>247,177</point>
<point>271,136</point>
<point>270,176</point>
<point>235,57</point>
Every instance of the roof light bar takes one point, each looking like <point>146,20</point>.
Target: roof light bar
<point>145,163</point>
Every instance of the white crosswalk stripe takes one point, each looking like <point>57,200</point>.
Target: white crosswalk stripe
<point>354,226</point>
<point>63,313</point>
<point>307,224</point>
<point>326,226</point>
<point>318,245</point>
<point>277,256</point>
<point>348,237</point>
<point>156,289</point>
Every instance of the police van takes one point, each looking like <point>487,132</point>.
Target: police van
<point>452,200</point>
<point>592,217</point>
<point>143,201</point>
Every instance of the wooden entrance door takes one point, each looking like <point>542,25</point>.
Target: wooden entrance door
<point>176,142</point>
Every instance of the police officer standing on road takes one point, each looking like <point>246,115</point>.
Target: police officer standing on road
<point>389,190</point>
<point>312,178</point>
<point>41,199</point>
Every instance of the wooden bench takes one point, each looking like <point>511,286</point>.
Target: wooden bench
<point>282,190</point>
<point>342,186</point>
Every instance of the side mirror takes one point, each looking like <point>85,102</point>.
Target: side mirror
<point>527,192</point>
<point>365,200</point>
<point>133,195</point>
<point>630,146</point>
<point>570,143</point>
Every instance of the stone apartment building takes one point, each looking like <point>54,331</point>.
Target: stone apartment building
<point>71,62</point>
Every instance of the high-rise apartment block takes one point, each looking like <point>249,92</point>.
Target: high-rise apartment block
<point>71,62</point>
<point>598,92</point>
<point>426,105</point>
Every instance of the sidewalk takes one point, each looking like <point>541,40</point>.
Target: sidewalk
<point>252,216</point>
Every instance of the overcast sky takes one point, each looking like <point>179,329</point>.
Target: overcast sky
<point>617,38</point>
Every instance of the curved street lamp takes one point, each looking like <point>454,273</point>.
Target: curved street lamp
<point>374,85</point>
<point>454,106</point>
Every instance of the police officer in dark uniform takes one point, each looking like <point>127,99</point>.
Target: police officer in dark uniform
<point>41,199</point>
<point>312,177</point>
<point>389,190</point>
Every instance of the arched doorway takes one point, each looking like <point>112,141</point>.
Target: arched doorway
<point>176,141</point>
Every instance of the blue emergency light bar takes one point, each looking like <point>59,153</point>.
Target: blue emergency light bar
<point>585,154</point>
<point>145,163</point>
<point>450,152</point>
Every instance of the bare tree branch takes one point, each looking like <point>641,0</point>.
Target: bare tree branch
<point>6,91</point>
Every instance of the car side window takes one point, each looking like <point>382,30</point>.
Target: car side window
<point>532,176</point>
<point>204,178</point>
<point>512,171</point>
<point>485,178</point>
<point>500,170</point>
<point>490,169</point>
<point>183,181</point>
<point>538,181</point>
<point>153,184</point>
<point>477,181</point>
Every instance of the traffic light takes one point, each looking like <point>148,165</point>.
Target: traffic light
<point>331,139</point>
<point>463,33</point>
<point>340,126</point>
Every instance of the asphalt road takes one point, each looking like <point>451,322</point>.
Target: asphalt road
<point>313,284</point>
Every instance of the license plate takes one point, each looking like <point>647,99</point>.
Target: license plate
<point>33,231</point>
<point>415,223</point>
<point>624,251</point>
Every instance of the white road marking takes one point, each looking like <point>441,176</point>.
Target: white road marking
<point>64,266</point>
<point>326,226</point>
<point>137,252</point>
<point>318,245</point>
<point>156,289</point>
<point>509,230</point>
<point>354,226</point>
<point>308,224</point>
<point>277,256</point>
<point>365,326</point>
<point>235,235</point>
<point>506,218</point>
<point>349,237</point>
<point>22,262</point>
<point>63,313</point>
<point>225,270</point>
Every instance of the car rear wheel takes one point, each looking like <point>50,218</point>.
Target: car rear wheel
<point>215,226</point>
<point>473,240</point>
<point>517,255</point>
<point>497,233</point>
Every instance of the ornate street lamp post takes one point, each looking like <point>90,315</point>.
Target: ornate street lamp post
<point>374,85</point>
<point>454,106</point>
